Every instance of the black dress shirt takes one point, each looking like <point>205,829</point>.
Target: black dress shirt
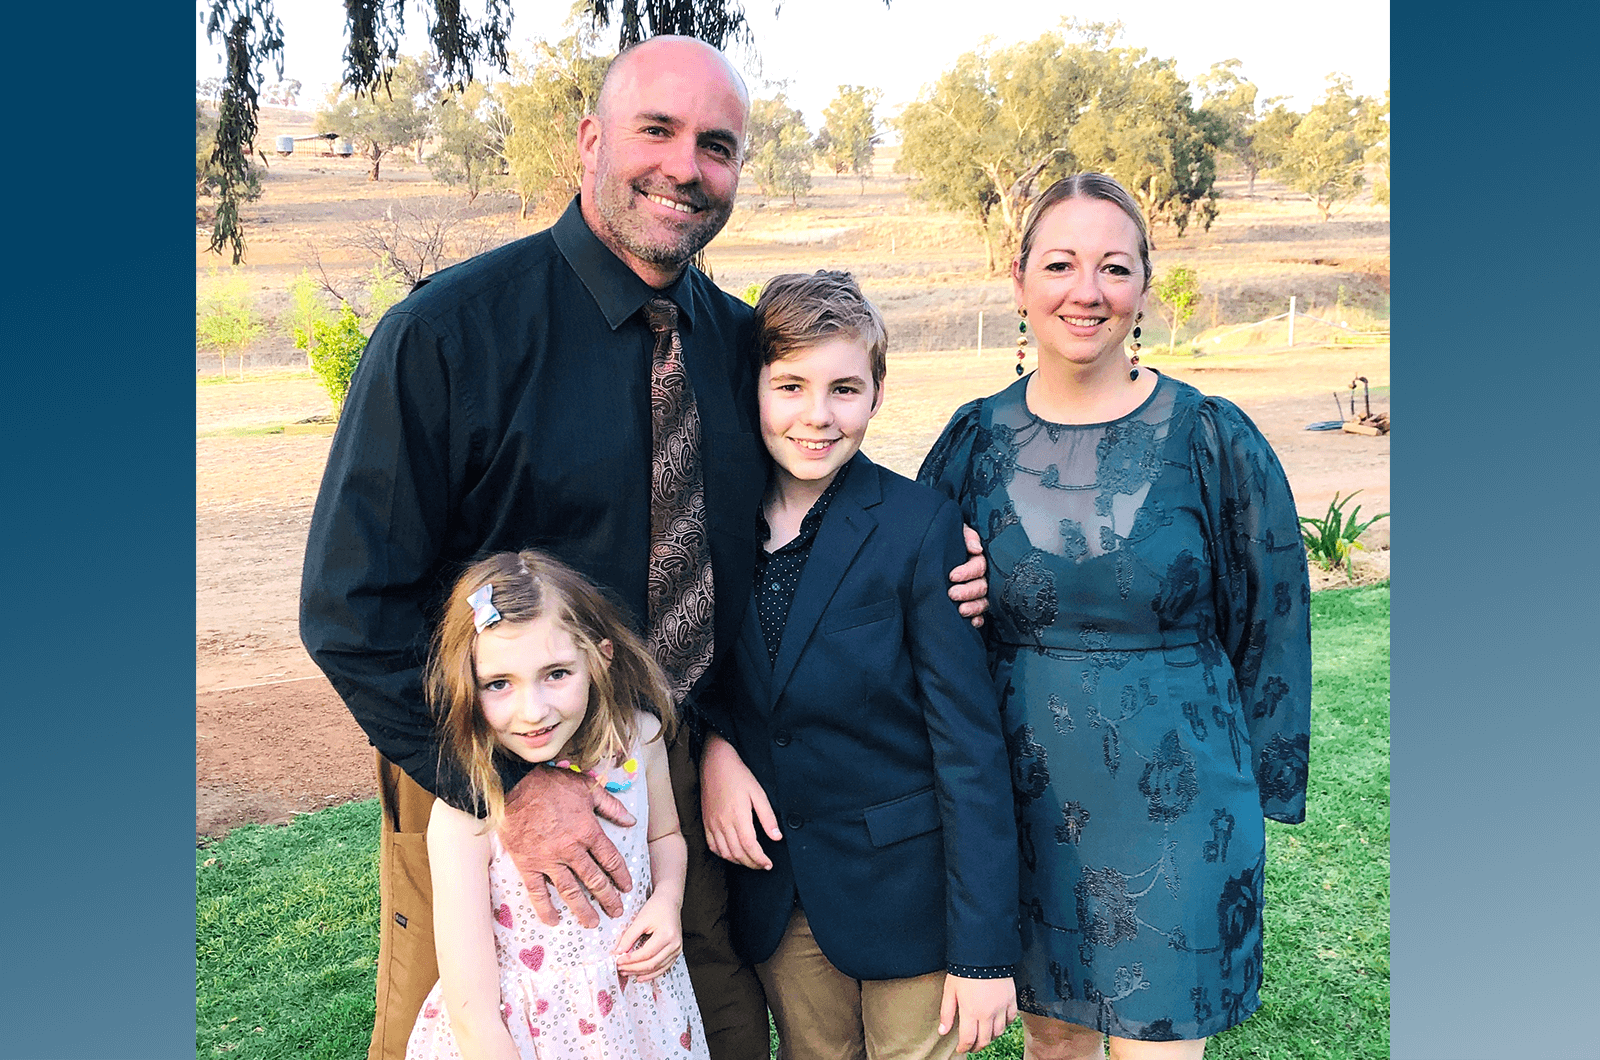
<point>505,404</point>
<point>778,572</point>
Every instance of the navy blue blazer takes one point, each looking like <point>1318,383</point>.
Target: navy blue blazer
<point>877,739</point>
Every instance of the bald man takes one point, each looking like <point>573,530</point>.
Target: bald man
<point>505,404</point>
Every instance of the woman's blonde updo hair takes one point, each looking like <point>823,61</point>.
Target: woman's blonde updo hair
<point>1085,186</point>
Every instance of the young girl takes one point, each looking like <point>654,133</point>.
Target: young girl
<point>531,660</point>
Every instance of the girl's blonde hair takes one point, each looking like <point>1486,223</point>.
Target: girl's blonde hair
<point>527,586</point>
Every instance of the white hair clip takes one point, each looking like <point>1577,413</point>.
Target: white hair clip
<point>484,614</point>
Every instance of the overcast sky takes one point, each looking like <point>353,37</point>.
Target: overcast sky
<point>817,45</point>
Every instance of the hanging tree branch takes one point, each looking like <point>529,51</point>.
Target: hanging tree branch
<point>251,34</point>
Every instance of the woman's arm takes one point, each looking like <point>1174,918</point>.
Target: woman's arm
<point>654,940</point>
<point>469,976</point>
<point>1263,599</point>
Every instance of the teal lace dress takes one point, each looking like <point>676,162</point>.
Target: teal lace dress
<point>1150,635</point>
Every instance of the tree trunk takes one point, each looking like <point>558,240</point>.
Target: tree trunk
<point>377,158</point>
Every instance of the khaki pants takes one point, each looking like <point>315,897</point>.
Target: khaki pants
<point>731,1002</point>
<point>823,1014</point>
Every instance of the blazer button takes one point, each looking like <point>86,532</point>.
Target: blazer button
<point>793,820</point>
<point>782,738</point>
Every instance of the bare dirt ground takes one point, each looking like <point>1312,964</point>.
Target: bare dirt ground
<point>272,738</point>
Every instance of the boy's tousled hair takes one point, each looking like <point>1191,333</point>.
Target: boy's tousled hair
<point>797,311</point>
<point>530,585</point>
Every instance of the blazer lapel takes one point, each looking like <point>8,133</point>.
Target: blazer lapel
<point>845,528</point>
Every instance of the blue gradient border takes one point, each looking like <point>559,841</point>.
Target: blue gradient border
<point>99,476</point>
<point>1494,719</point>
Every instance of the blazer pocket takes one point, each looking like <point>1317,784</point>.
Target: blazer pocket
<point>861,616</point>
<point>899,819</point>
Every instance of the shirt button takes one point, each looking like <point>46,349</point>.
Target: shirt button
<point>793,820</point>
<point>782,738</point>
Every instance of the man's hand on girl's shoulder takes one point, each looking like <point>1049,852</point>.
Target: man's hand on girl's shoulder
<point>553,835</point>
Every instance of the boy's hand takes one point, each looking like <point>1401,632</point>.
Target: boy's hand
<point>985,1008</point>
<point>652,942</point>
<point>968,587</point>
<point>731,801</point>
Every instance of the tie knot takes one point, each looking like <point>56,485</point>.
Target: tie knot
<point>662,314</point>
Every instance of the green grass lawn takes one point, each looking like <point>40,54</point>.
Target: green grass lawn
<point>287,917</point>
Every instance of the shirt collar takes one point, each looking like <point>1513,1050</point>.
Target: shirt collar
<point>617,289</point>
<point>813,517</point>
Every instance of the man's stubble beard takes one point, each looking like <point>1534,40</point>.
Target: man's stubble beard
<point>618,210</point>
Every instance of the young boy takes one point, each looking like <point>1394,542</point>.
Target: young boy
<point>858,780</point>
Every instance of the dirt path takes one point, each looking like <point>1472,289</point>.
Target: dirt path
<point>272,738</point>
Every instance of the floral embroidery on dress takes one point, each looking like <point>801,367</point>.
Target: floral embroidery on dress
<point>1073,818</point>
<point>1168,781</point>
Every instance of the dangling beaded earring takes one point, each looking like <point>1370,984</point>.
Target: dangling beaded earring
<point>1022,338</point>
<point>1133,351</point>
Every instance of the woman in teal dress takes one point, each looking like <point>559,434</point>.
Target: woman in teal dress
<point>1149,629</point>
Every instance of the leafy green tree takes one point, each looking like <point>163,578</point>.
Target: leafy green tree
<point>989,131</point>
<point>778,148</point>
<point>1006,122</point>
<point>1141,128</point>
<point>225,318</point>
<point>1374,134</point>
<point>1228,105</point>
<point>463,154</point>
<point>850,131</point>
<point>533,120</point>
<point>1323,156</point>
<point>391,117</point>
<point>1178,290</point>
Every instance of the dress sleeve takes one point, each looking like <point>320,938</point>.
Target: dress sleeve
<point>1263,598</point>
<point>948,464</point>
<point>376,535</point>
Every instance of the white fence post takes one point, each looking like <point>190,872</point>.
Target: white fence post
<point>1291,320</point>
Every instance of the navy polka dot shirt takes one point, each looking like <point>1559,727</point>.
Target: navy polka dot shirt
<point>778,573</point>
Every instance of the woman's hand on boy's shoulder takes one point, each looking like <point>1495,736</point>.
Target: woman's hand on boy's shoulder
<point>553,837</point>
<point>968,586</point>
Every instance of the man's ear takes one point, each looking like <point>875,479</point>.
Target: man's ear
<point>589,142</point>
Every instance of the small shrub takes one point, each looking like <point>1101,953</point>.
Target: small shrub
<point>306,308</point>
<point>1331,539</point>
<point>335,349</point>
<point>751,293</point>
<point>225,318</point>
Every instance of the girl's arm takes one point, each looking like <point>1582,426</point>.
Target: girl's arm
<point>469,976</point>
<point>653,941</point>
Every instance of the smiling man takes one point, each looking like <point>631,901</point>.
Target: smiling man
<point>584,392</point>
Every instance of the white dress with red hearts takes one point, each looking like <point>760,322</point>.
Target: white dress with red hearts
<point>560,993</point>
